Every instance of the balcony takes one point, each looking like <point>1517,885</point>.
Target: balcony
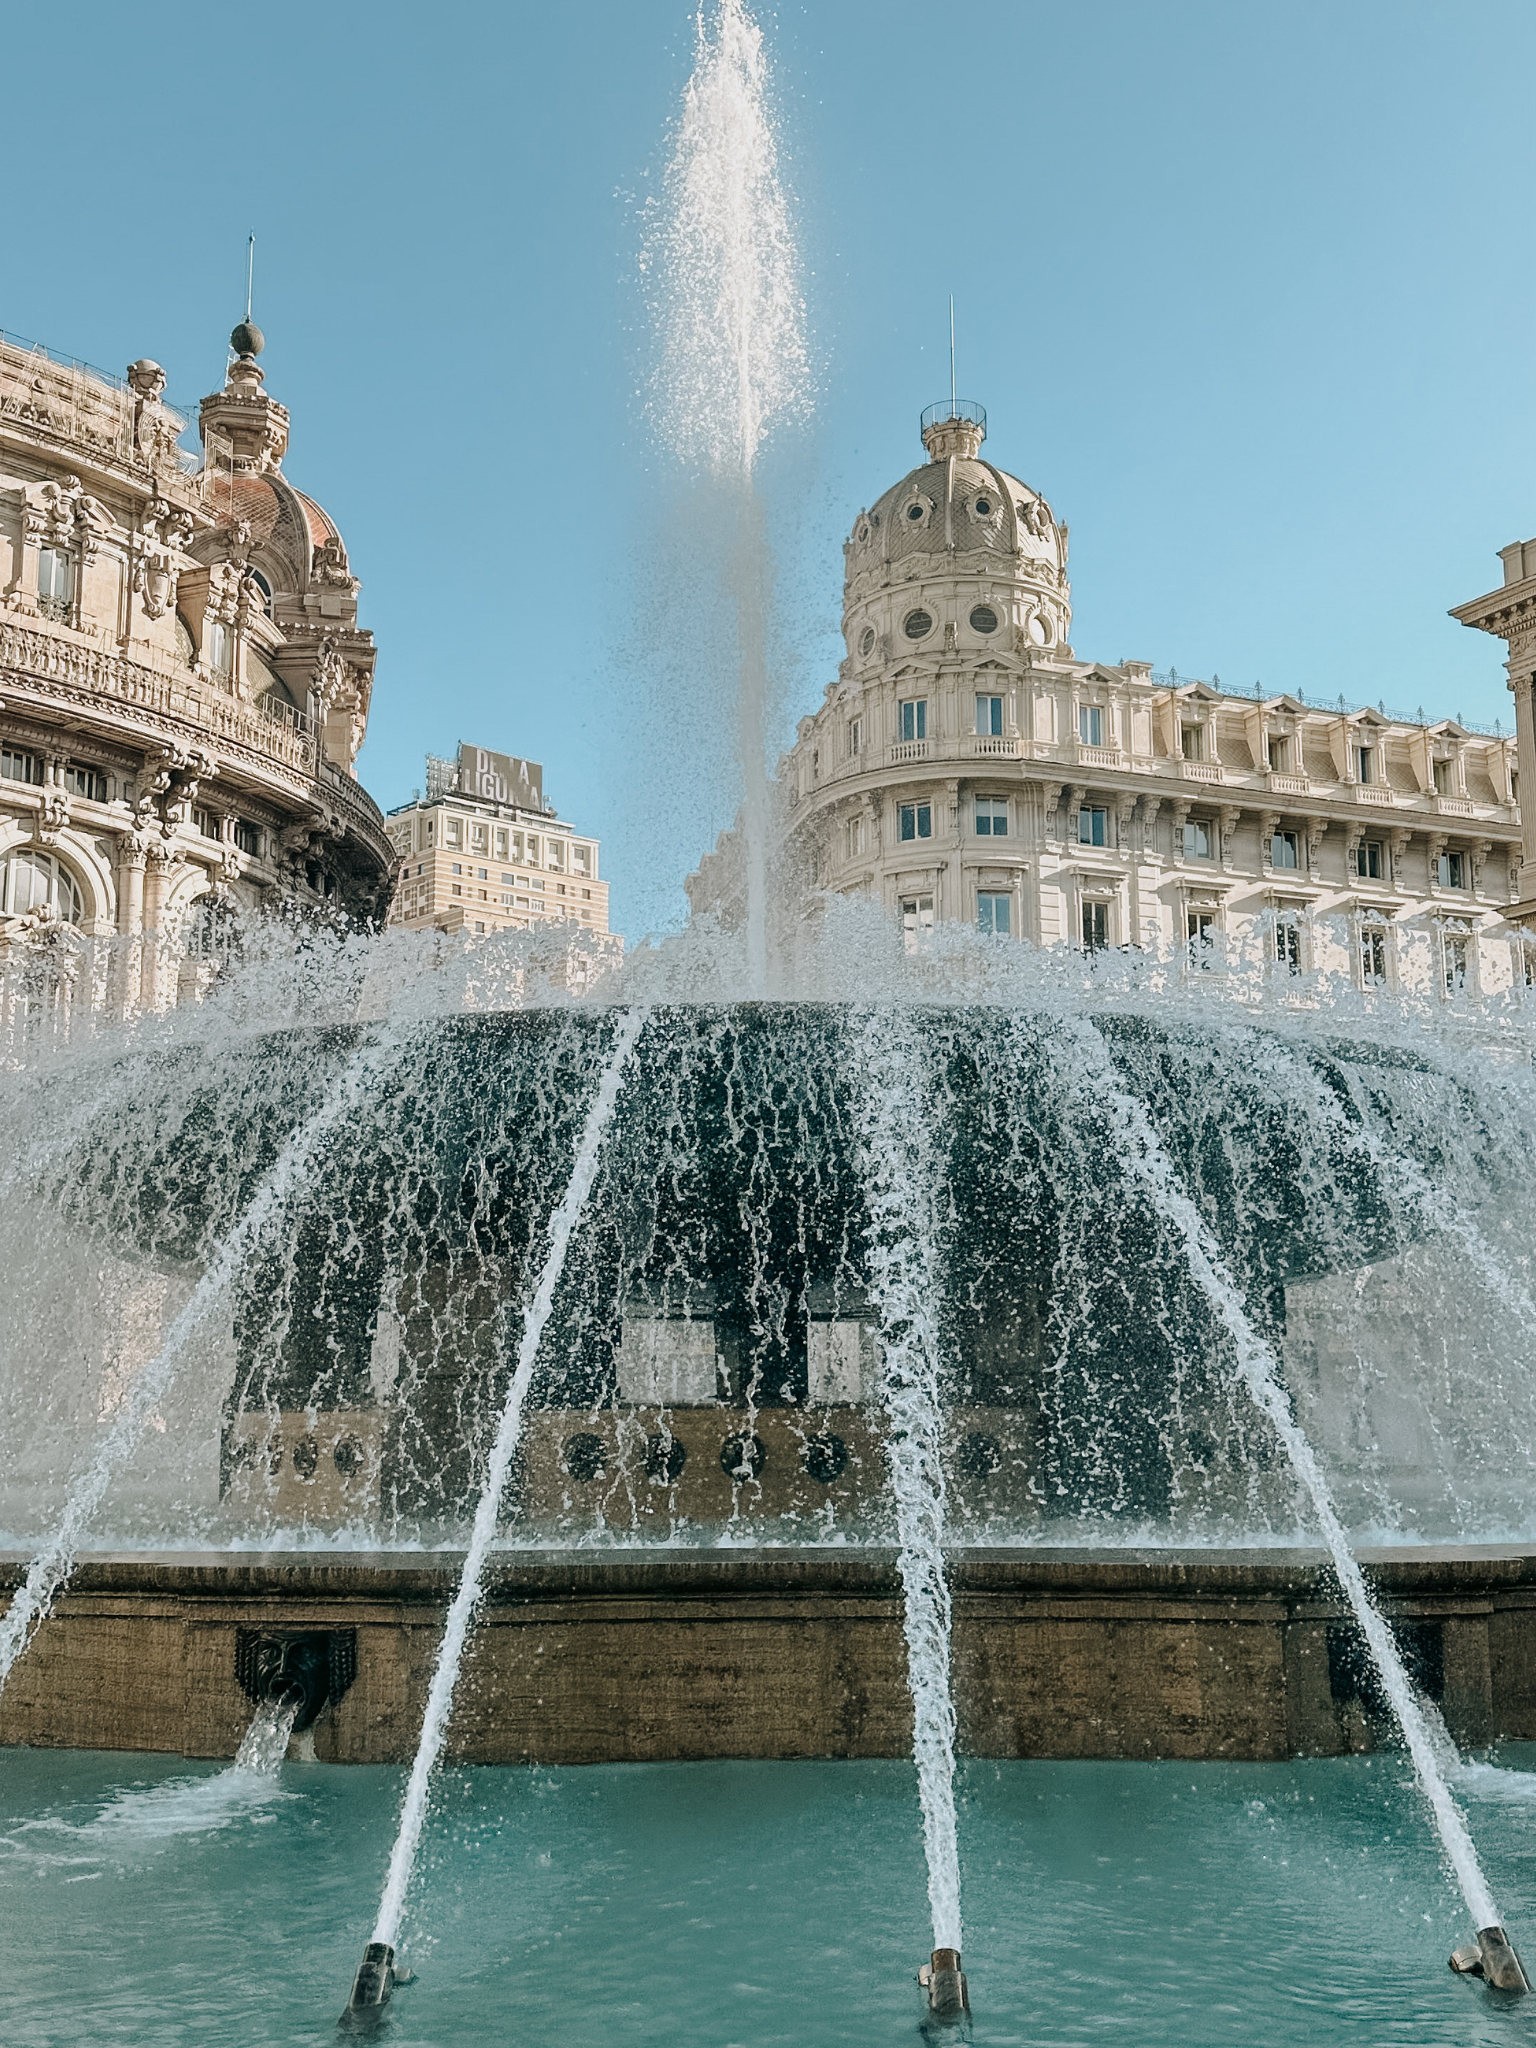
<point>1202,771</point>
<point>993,747</point>
<point>1109,758</point>
<point>1454,806</point>
<point>1375,793</point>
<point>1288,785</point>
<point>911,750</point>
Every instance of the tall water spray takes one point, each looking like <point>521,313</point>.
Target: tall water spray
<point>731,356</point>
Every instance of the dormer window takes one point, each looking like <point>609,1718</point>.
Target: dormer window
<point>1279,754</point>
<point>1090,725</point>
<point>1192,740</point>
<point>1365,764</point>
<point>1441,771</point>
<point>55,583</point>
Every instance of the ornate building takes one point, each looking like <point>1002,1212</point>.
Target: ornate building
<point>1509,613</point>
<point>965,764</point>
<point>483,852</point>
<point>183,682</point>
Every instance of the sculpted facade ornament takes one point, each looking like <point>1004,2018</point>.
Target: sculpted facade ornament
<point>165,533</point>
<point>328,565</point>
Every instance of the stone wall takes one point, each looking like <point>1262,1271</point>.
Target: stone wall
<point>608,1658</point>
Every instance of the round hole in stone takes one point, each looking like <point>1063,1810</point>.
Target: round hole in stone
<point>349,1455</point>
<point>917,625</point>
<point>665,1458</point>
<point>983,619</point>
<point>979,1455</point>
<point>306,1457</point>
<point>824,1456</point>
<point>584,1456</point>
<point>743,1457</point>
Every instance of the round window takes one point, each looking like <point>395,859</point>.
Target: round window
<point>983,619</point>
<point>917,625</point>
<point>914,513</point>
<point>1037,631</point>
<point>36,881</point>
<point>862,535</point>
<point>866,639</point>
<point>983,508</point>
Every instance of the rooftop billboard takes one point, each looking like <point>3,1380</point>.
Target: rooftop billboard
<point>500,778</point>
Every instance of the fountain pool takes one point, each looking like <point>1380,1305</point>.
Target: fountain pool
<point>751,1903</point>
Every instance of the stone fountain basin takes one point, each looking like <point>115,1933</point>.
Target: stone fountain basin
<point>652,1654</point>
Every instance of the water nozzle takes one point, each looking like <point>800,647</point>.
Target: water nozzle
<point>1492,1959</point>
<point>372,1988</point>
<point>943,1979</point>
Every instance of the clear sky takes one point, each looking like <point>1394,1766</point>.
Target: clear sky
<point>1246,291</point>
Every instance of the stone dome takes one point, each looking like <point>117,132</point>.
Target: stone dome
<point>956,521</point>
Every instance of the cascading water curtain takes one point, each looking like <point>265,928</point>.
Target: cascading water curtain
<point>900,1158</point>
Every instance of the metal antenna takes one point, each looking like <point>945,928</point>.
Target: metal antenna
<point>953,403</point>
<point>250,274</point>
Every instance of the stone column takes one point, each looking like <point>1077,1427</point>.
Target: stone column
<point>1524,688</point>
<point>158,863</point>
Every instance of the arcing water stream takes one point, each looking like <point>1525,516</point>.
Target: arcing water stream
<point>903,1174</point>
<point>456,1632</point>
<point>1101,1098</point>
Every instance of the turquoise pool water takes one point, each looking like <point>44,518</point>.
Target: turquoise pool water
<point>150,1901</point>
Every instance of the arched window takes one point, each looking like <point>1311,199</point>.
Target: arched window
<point>36,881</point>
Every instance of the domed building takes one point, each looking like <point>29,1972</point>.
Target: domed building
<point>184,684</point>
<point>966,765</point>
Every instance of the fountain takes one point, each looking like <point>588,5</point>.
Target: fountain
<point>767,1349</point>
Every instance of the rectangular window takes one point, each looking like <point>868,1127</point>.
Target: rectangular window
<point>480,874</point>
<point>855,838</point>
<point>507,902</point>
<point>1456,953</point>
<point>477,836</point>
<point>1192,741</point>
<point>507,880</point>
<point>1279,754</point>
<point>247,837</point>
<point>451,832</point>
<point>917,821</point>
<point>1441,771</point>
<point>88,782</point>
<point>1364,764</point>
<point>1200,930</point>
<point>1090,725</point>
<point>1288,942</point>
<point>1092,827</point>
<point>993,912</point>
<point>55,578</point>
<point>501,842</point>
<point>19,767</point>
<point>1197,839</point>
<point>989,716</point>
<point>916,920</point>
<point>457,868</point>
<point>458,888</point>
<point>1095,927</point>
<point>207,822</point>
<point>1451,871</point>
<point>914,718</point>
<point>581,860</point>
<point>1283,851</point>
<point>1371,860</point>
<point>217,648</point>
<point>1373,955</point>
<point>992,817</point>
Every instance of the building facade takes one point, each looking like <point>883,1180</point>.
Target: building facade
<point>1509,614</point>
<point>184,685</point>
<point>966,765</point>
<point>482,852</point>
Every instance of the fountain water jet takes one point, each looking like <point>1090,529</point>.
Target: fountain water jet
<point>376,1974</point>
<point>902,1180</point>
<point>731,355</point>
<point>1096,1083</point>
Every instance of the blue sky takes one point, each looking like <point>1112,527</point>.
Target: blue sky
<point>1245,290</point>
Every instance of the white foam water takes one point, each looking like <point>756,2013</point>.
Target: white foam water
<point>1096,1083</point>
<point>902,1181</point>
<point>450,1654</point>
